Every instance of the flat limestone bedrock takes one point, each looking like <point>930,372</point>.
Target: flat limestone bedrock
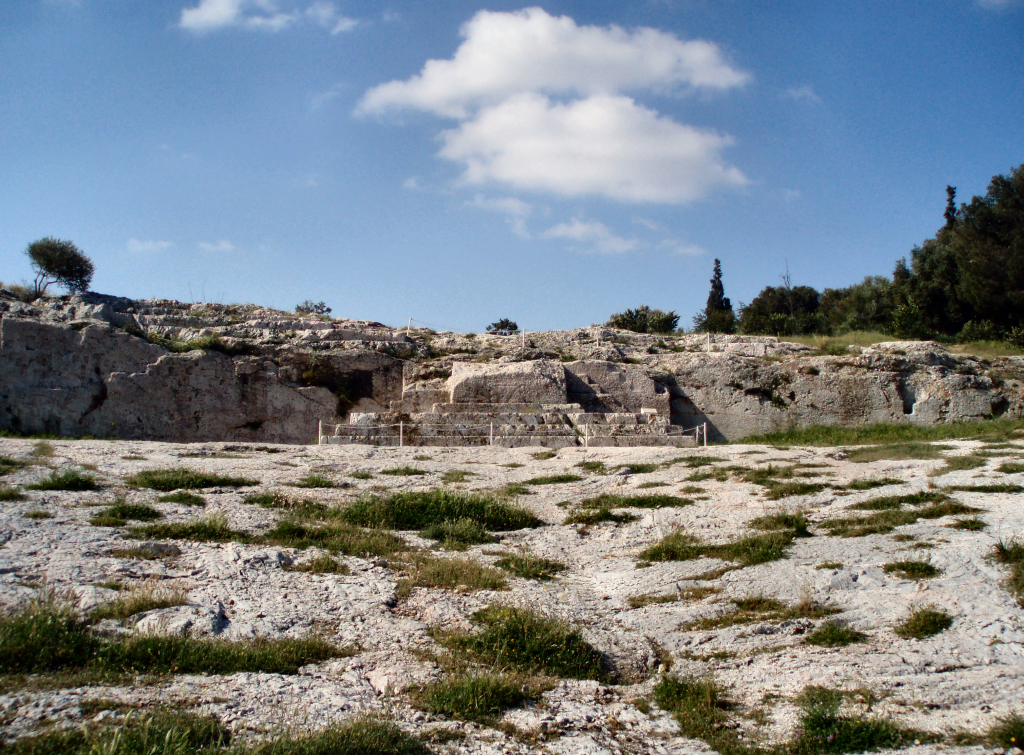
<point>103,382</point>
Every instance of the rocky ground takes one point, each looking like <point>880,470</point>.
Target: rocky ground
<point>961,680</point>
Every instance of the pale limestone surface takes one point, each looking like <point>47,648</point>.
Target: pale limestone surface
<point>961,679</point>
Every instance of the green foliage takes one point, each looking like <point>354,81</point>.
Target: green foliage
<point>503,327</point>
<point>458,534</point>
<point>530,567</point>
<point>314,481</point>
<point>70,479</point>
<point>322,564</point>
<point>1011,553</point>
<point>515,639</point>
<point>615,500</point>
<point>889,519</point>
<point>912,569</point>
<point>757,608</point>
<point>831,634</point>
<point>405,471</point>
<point>119,514</point>
<point>555,479</point>
<point>337,537</point>
<point>824,730</point>
<point>268,499</point>
<point>456,475</point>
<point>865,306</point>
<point>906,432</point>
<point>363,736</point>
<point>701,711</point>
<point>184,478</point>
<point>58,261</point>
<point>184,498</point>
<point>418,510</point>
<point>598,515</point>
<point>717,315</point>
<point>784,311</point>
<point>473,697</point>
<point>453,574</point>
<point>8,493</point>
<point>922,623</point>
<point>872,484</point>
<point>544,455</point>
<point>1008,732</point>
<point>795,522</point>
<point>594,467</point>
<point>9,465</point>
<point>213,529</point>
<point>749,551</point>
<point>643,319</point>
<point>145,597</point>
<point>310,307</point>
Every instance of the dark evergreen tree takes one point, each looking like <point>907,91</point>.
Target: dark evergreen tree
<point>950,213</point>
<point>717,316</point>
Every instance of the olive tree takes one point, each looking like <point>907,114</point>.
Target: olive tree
<point>59,261</point>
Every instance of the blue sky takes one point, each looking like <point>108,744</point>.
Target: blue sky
<point>461,162</point>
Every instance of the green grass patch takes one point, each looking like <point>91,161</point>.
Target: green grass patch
<point>824,730</point>
<point>641,601</point>
<point>462,574</point>
<point>37,514</point>
<point>404,471</point>
<point>887,433</point>
<point>778,490</point>
<point>183,497</point>
<point>749,551</point>
<point>458,534</point>
<point>363,736</point>
<point>322,564</point>
<point>594,467</point>
<point>881,482</point>
<point>8,493</point>
<point>42,450</point>
<point>456,475</point>
<point>483,698</point>
<point>596,516</point>
<point>701,711</point>
<point>1008,732</point>
<point>212,529</point>
<point>554,479</point>
<point>718,474</point>
<point>898,451</point>
<point>891,502</point>
<point>832,634</point>
<point>121,512</point>
<point>530,567</point>
<point>912,569</point>
<point>70,479</point>
<point>884,522</point>
<point>616,501</point>
<point>268,499</point>
<point>337,537</point>
<point>959,464</point>
<point>645,485</point>
<point>785,520</point>
<point>986,488</point>
<point>544,455</point>
<point>971,525</point>
<point>8,465</point>
<point>1011,467</point>
<point>361,475</point>
<point>923,622</point>
<point>830,565</point>
<point>757,608</point>
<point>419,510</point>
<point>183,478</point>
<point>314,481</point>
<point>144,597</point>
<point>516,639</point>
<point>1011,553</point>
<point>639,468</point>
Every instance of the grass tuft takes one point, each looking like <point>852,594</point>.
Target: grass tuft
<point>974,524</point>
<point>912,569</point>
<point>147,596</point>
<point>1011,553</point>
<point>923,622</point>
<point>405,471</point>
<point>70,479</point>
<point>1008,732</point>
<point>797,523</point>
<point>322,564</point>
<point>337,537</point>
<point>824,730</point>
<point>182,478</point>
<point>958,464</point>
<point>183,497</point>
<point>8,493</point>
<point>596,516</point>
<point>757,608</point>
<point>473,697</point>
<point>871,484</point>
<point>458,534</point>
<point>213,529</point>
<point>831,634</point>
<point>750,551</point>
<point>887,520</point>
<point>987,488</point>
<point>530,567</point>
<point>419,510</point>
<point>594,467</point>
<point>362,736</point>
<point>555,479</point>
<point>121,512</point>
<point>617,501</point>
<point>462,574</point>
<point>701,711</point>
<point>314,481</point>
<point>456,475</point>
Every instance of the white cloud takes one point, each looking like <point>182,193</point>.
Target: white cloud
<point>413,183</point>
<point>593,233</point>
<point>803,93</point>
<point>998,4</point>
<point>529,50</point>
<point>603,145</point>
<point>139,246</point>
<point>791,195</point>
<point>516,211</point>
<point>651,225</point>
<point>262,15</point>
<point>221,246</point>
<point>682,248</point>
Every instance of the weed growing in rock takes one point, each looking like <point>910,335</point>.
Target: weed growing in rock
<point>795,522</point>
<point>8,493</point>
<point>596,516</point>
<point>555,479</point>
<point>473,697</point>
<point>701,711</point>
<point>829,565</point>
<point>337,537</point>
<point>1011,467</point>
<point>1008,732</point>
<point>987,488</point>
<point>322,564</point>
<point>778,490</point>
<point>8,465</point>
<point>750,551</point>
<point>922,623</point>
<point>516,639</point>
<point>462,574</point>
<point>896,501</point>
<point>870,484</point>
<point>530,567</point>
<point>594,467</point>
<point>458,534</point>
<point>719,474</point>
<point>959,463</point>
<point>971,525</point>
<point>213,529</point>
<point>361,476</point>
<point>886,521</point>
<point>831,634</point>
<point>645,485</point>
<point>183,497</point>
<point>70,479</point>
<point>183,478</point>
<point>268,499</point>
<point>42,450</point>
<point>824,730</point>
<point>456,475</point>
<point>640,601</point>
<point>405,471</point>
<point>639,468</point>
<point>418,510</point>
<point>757,608</point>
<point>118,514</point>
<point>363,736</point>
<point>912,569</point>
<point>1011,553</point>
<point>37,514</point>
<point>314,481</point>
<point>543,455</point>
<point>617,501</point>
<point>147,596</point>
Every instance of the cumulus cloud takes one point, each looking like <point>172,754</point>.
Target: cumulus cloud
<point>140,246</point>
<point>542,105</point>
<point>263,15</point>
<point>221,246</point>
<point>803,93</point>
<point>603,145</point>
<point>530,50</point>
<point>592,233</point>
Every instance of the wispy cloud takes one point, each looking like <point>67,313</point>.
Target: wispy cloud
<point>147,246</point>
<point>592,233</point>
<point>516,211</point>
<point>412,183</point>
<point>998,4</point>
<point>803,93</point>
<point>674,246</point>
<point>262,15</point>
<point>650,225</point>
<point>221,246</point>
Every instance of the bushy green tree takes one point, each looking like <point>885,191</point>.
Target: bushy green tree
<point>503,327</point>
<point>310,307</point>
<point>59,261</point>
<point>717,316</point>
<point>643,319</point>
<point>784,311</point>
<point>867,305</point>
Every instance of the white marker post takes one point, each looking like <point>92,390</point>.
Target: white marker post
<point>408,331</point>
<point>320,434</point>
<point>491,443</point>
<point>401,433</point>
<point>705,434</point>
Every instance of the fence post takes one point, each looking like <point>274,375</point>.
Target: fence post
<point>408,331</point>
<point>320,433</point>
<point>586,436</point>
<point>705,434</point>
<point>491,442</point>
<point>524,340</point>
<point>401,433</point>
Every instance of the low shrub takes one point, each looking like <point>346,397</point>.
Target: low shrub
<point>183,478</point>
<point>923,622</point>
<point>530,567</point>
